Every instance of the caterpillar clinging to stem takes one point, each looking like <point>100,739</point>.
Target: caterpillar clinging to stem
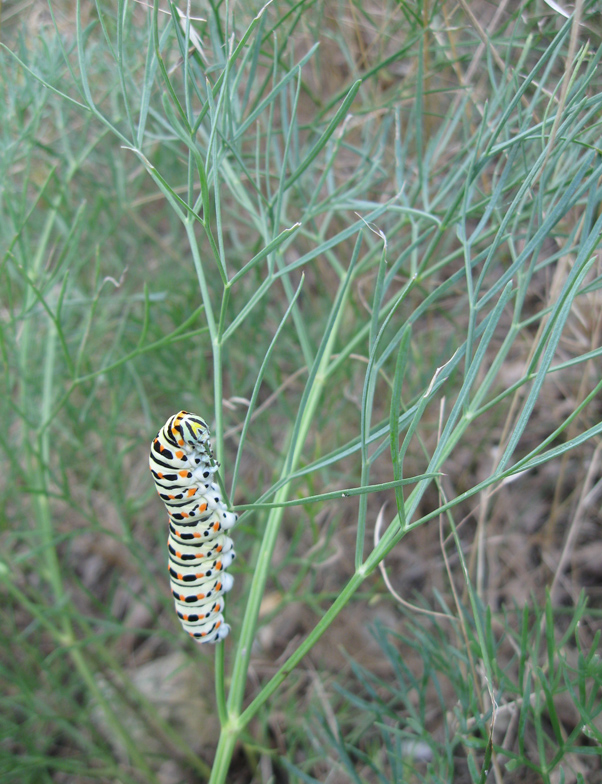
<point>182,464</point>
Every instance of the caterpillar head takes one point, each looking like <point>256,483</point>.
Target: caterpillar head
<point>190,429</point>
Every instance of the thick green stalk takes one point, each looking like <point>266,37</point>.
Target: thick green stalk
<point>231,730</point>
<point>220,691</point>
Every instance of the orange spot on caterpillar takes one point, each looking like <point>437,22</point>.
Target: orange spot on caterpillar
<point>180,577</point>
<point>192,491</point>
<point>202,507</point>
<point>184,617</point>
<point>171,497</point>
<point>200,596</point>
<point>179,454</point>
<point>184,474</point>
<point>199,576</point>
<point>160,477</point>
<point>197,536</point>
<point>180,441</point>
<point>216,526</point>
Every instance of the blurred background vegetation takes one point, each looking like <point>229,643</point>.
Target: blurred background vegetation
<point>362,240</point>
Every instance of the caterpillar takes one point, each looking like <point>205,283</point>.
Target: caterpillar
<point>182,464</point>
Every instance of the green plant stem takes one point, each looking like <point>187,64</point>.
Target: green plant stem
<point>218,438</point>
<point>220,690</point>
<point>231,730</point>
<point>234,726</point>
<point>307,644</point>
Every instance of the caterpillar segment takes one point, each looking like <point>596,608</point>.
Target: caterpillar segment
<point>185,530</point>
<point>182,465</point>
<point>191,596</point>
<point>193,552</point>
<point>196,573</point>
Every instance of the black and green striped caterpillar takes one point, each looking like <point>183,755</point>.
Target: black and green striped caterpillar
<point>182,464</point>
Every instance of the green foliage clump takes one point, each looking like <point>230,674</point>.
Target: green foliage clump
<point>362,241</point>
